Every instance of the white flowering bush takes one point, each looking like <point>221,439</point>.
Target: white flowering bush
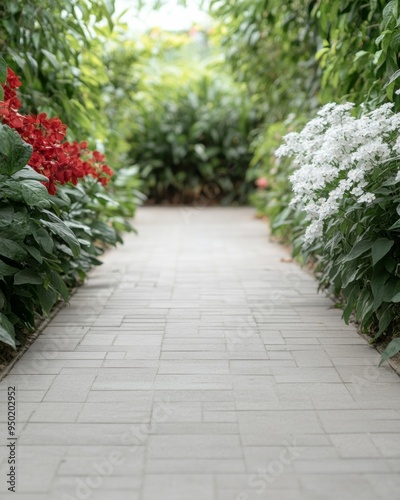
<point>338,156</point>
<point>346,180</point>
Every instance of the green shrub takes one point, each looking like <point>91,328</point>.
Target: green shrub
<point>190,137</point>
<point>34,240</point>
<point>49,242</point>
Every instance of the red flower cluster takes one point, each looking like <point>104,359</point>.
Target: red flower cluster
<point>59,160</point>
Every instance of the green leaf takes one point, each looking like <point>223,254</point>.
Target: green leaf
<point>349,274</point>
<point>362,303</point>
<point>61,230</point>
<point>27,277</point>
<point>384,322</point>
<point>53,217</point>
<point>29,174</point>
<point>58,283</point>
<point>367,311</point>
<point>12,250</point>
<point>6,270</point>
<point>380,248</point>
<point>104,232</point>
<point>6,216</point>
<point>396,225</point>
<point>52,59</point>
<point>47,298</point>
<point>3,70</point>
<point>358,249</point>
<point>392,290</point>
<point>390,264</point>
<point>35,194</point>
<point>78,225</point>
<point>35,253</point>
<point>350,303</point>
<point>107,199</point>
<point>379,296</point>
<point>396,297</point>
<point>43,238</point>
<point>393,78</point>
<point>20,227</point>
<point>84,243</point>
<point>378,280</point>
<point>14,152</point>
<point>7,333</point>
<point>64,248</point>
<point>391,350</point>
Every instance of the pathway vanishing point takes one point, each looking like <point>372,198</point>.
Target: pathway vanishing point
<point>199,363</point>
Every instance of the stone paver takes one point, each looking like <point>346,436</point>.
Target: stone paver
<point>200,363</point>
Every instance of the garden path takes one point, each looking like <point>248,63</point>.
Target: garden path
<point>199,363</point>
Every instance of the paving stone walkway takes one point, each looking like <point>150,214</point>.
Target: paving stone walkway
<point>199,363</point>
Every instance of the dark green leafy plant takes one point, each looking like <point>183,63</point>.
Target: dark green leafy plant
<point>49,243</point>
<point>33,241</point>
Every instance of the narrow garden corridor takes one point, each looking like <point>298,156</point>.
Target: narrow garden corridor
<point>199,363</point>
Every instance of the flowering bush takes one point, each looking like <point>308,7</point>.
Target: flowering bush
<point>50,238</point>
<point>295,56</point>
<point>54,157</point>
<point>337,155</point>
<point>347,182</point>
<point>34,241</point>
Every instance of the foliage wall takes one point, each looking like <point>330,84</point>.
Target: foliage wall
<point>294,57</point>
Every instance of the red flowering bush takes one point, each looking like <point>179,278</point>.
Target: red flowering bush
<point>54,157</point>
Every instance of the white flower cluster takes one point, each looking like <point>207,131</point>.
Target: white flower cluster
<point>335,154</point>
